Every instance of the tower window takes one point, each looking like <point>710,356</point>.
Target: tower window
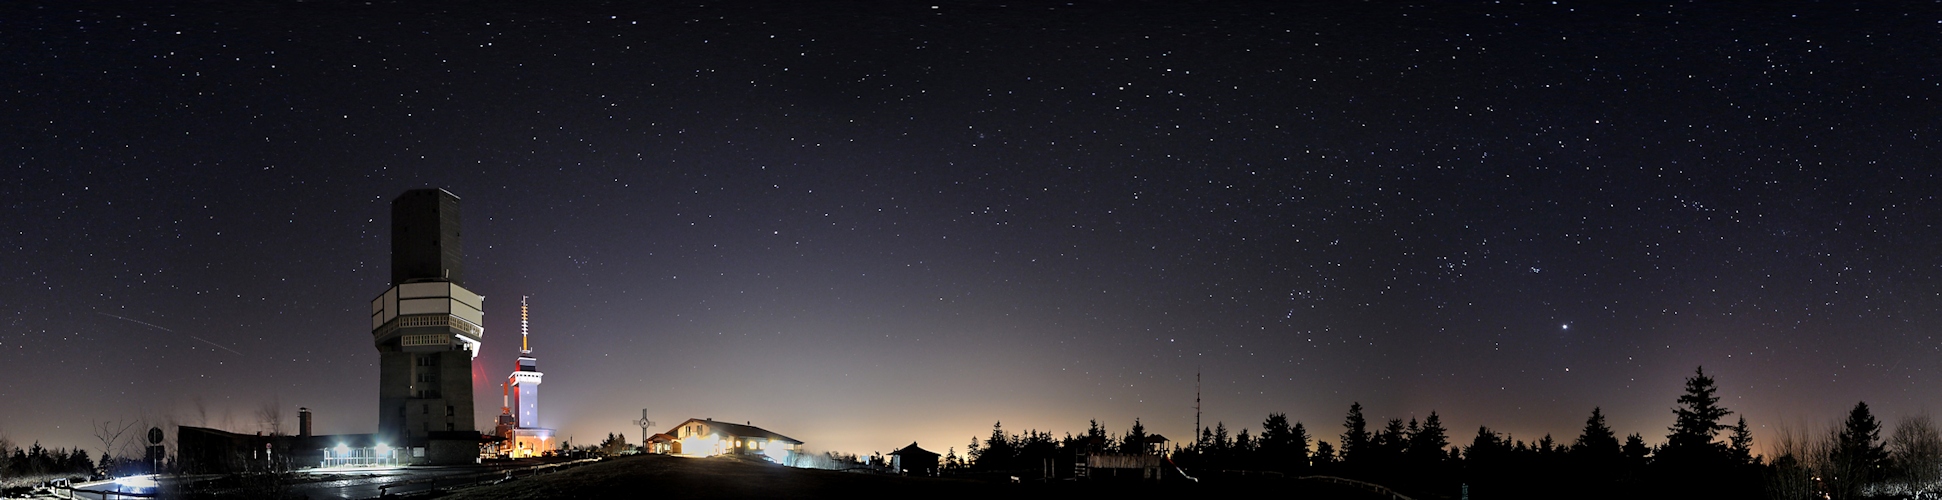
<point>450,410</point>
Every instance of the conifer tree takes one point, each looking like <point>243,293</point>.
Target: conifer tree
<point>1485,447</point>
<point>1324,454</point>
<point>1635,449</point>
<point>1427,442</point>
<point>1277,440</point>
<point>1858,455</point>
<point>1300,440</point>
<point>1393,440</point>
<point>1355,441</point>
<point>1597,443</point>
<point>1135,441</point>
<point>1742,439</point>
<point>1096,440</point>
<point>1697,422</point>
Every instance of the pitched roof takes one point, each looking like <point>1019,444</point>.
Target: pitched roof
<point>913,450</point>
<point>733,429</point>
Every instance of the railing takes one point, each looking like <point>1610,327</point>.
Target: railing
<point>1365,486</point>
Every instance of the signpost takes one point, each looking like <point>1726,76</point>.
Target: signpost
<point>155,450</point>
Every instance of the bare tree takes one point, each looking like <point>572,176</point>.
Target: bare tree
<point>6,454</point>
<point>1916,447</point>
<point>202,411</point>
<point>110,434</point>
<point>270,416</point>
<point>1800,456</point>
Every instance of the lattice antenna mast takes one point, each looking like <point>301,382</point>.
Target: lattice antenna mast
<point>523,348</point>
<point>1196,436</point>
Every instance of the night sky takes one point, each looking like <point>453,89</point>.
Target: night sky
<point>862,225</point>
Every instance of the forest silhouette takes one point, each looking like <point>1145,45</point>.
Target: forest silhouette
<point>1702,455</point>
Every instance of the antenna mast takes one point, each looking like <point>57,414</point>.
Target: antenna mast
<point>523,348</point>
<point>1196,436</point>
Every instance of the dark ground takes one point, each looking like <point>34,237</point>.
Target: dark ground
<point>658,476</point>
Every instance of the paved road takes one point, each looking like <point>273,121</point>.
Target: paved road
<point>359,484</point>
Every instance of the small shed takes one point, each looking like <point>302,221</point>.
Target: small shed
<point>915,461</point>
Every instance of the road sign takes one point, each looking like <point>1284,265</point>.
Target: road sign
<point>155,435</point>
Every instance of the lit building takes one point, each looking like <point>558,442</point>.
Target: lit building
<point>519,417</point>
<point>699,437</point>
<point>427,328</point>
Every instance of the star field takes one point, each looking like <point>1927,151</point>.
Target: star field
<point>925,218</point>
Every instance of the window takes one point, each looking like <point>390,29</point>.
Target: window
<point>449,411</point>
<point>424,409</point>
<point>450,427</point>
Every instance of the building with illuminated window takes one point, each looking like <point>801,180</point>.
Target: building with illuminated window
<point>700,437</point>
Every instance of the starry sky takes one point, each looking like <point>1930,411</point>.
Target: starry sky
<point>866,224</point>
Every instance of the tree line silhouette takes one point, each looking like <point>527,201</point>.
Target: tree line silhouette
<point>1702,455</point>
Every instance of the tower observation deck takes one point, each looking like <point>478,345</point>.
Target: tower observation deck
<point>427,328</point>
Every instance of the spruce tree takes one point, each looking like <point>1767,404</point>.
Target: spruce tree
<point>1300,439</point>
<point>1324,454</point>
<point>1697,422</point>
<point>1597,443</point>
<point>1393,440</point>
<point>1635,449</point>
<point>1858,455</point>
<point>1276,440</point>
<point>1428,441</point>
<point>1485,447</point>
<point>1355,442</point>
<point>1742,439</point>
<point>1135,442</point>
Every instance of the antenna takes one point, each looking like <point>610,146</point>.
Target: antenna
<point>1196,436</point>
<point>523,348</point>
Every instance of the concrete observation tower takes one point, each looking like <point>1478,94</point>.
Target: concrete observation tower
<point>427,328</point>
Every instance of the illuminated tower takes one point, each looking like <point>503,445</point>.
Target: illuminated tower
<point>525,379</point>
<point>527,438</point>
<point>427,328</point>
